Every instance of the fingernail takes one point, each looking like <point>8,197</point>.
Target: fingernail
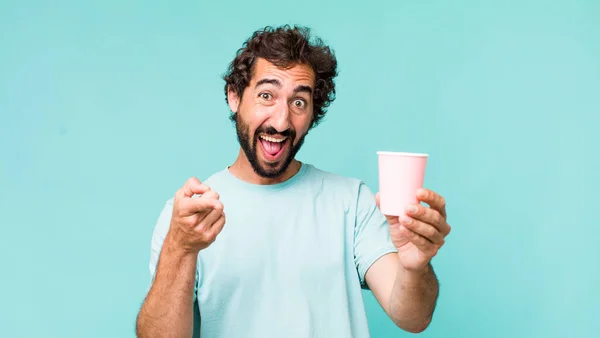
<point>406,220</point>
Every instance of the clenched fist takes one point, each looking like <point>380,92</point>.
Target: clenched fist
<point>196,221</point>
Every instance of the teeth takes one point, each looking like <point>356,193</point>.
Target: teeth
<point>271,139</point>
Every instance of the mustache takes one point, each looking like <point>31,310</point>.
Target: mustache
<point>272,131</point>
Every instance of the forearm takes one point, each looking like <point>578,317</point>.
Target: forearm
<point>168,309</point>
<point>413,298</point>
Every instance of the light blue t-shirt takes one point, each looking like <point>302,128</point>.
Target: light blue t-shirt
<point>291,259</point>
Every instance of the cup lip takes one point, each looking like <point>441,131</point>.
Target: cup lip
<point>397,153</point>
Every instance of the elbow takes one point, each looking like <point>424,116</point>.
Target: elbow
<point>141,330</point>
<point>414,326</point>
<point>416,329</point>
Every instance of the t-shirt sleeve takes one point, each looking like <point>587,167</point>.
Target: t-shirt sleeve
<point>158,237</point>
<point>371,233</point>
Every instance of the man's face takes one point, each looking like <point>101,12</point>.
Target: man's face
<point>274,115</point>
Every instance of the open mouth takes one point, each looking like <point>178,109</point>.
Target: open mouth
<point>273,146</point>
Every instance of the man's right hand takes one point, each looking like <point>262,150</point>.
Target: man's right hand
<point>196,221</point>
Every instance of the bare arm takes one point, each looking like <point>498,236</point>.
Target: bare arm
<point>168,308</point>
<point>408,297</point>
<point>404,283</point>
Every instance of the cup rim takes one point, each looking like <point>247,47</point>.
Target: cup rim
<point>397,153</point>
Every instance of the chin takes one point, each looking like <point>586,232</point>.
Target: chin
<point>272,169</point>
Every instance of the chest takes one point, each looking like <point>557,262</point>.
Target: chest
<point>277,242</point>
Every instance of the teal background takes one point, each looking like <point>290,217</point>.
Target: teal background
<point>107,107</point>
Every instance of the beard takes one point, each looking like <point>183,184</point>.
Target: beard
<point>249,146</point>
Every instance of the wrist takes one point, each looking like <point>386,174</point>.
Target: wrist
<point>172,247</point>
<point>417,273</point>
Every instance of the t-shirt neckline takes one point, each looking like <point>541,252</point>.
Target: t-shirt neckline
<point>304,168</point>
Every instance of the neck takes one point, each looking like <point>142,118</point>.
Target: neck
<point>242,169</point>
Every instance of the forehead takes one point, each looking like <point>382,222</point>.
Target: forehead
<point>297,74</point>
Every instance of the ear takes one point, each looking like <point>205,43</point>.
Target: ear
<point>233,100</point>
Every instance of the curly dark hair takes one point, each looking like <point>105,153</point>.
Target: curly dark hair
<point>285,46</point>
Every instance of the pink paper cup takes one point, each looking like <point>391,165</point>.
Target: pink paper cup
<point>400,177</point>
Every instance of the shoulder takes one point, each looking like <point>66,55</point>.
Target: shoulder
<point>353,189</point>
<point>336,180</point>
<point>217,178</point>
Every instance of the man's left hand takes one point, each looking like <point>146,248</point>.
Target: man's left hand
<point>420,234</point>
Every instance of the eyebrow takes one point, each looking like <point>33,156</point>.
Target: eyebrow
<point>302,88</point>
<point>276,83</point>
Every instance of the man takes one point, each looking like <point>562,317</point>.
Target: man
<point>273,247</point>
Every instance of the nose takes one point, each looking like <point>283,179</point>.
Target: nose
<point>280,118</point>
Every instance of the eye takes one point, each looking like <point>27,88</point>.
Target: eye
<point>299,103</point>
<point>265,96</point>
